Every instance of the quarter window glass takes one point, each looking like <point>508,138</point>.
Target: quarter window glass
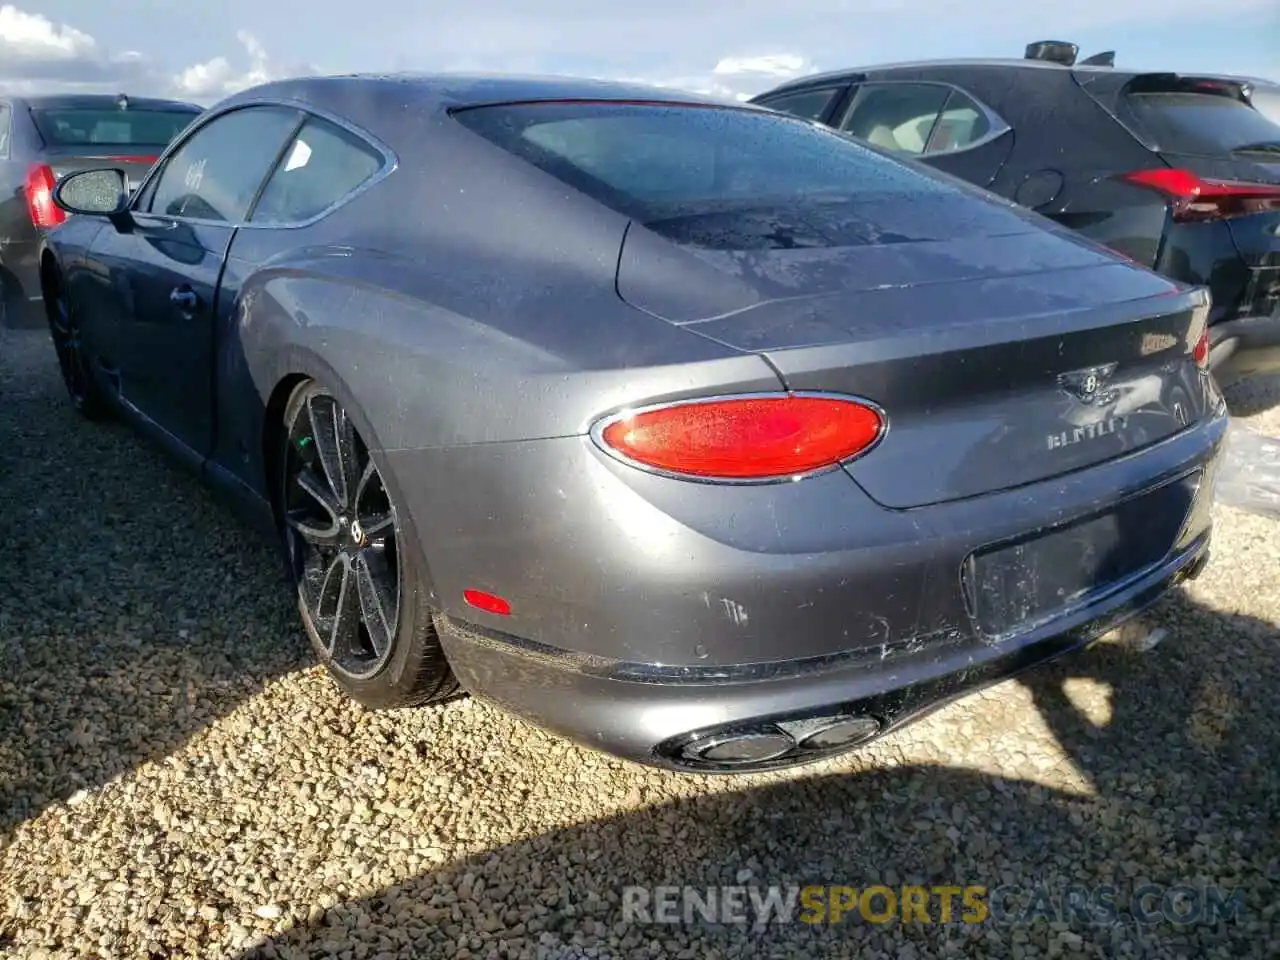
<point>215,174</point>
<point>809,104</point>
<point>895,116</point>
<point>322,165</point>
<point>4,130</point>
<point>961,123</point>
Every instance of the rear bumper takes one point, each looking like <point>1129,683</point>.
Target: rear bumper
<point>659,722</point>
<point>1244,347</point>
<point>879,631</point>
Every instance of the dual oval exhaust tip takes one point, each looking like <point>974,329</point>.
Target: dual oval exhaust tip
<point>773,744</point>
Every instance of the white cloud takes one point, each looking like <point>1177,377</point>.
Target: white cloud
<point>219,77</point>
<point>736,78</point>
<point>29,36</point>
<point>776,66</point>
<point>39,55</point>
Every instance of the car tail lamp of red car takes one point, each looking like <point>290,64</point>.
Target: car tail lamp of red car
<point>748,438</point>
<point>40,182</point>
<point>1197,198</point>
<point>1200,353</point>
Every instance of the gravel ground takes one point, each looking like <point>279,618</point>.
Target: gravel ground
<point>177,781</point>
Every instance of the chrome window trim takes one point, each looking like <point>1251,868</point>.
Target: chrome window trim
<point>998,126</point>
<point>389,165</point>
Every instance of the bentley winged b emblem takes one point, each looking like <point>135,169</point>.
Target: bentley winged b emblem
<point>1091,386</point>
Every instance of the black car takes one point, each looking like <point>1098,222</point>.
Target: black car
<point>43,138</point>
<point>1179,172</point>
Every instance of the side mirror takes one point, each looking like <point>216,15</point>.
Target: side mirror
<point>101,192</point>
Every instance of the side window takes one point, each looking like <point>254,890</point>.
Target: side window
<point>809,104</point>
<point>915,118</point>
<point>4,130</point>
<point>216,173</point>
<point>895,116</point>
<point>322,165</point>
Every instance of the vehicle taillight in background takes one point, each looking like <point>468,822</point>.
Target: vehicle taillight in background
<point>40,182</point>
<point>749,438</point>
<point>1201,351</point>
<point>1196,198</point>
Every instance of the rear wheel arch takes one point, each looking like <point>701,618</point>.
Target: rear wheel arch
<point>301,372</point>
<point>407,666</point>
<point>50,272</point>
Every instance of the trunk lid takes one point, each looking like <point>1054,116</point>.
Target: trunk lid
<point>1002,352</point>
<point>135,161</point>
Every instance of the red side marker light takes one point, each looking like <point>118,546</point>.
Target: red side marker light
<point>488,602</point>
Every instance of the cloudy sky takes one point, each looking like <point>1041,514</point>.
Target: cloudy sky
<point>203,51</point>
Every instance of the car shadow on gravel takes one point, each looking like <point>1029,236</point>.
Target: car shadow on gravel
<point>134,609</point>
<point>1176,788</point>
<point>1253,395</point>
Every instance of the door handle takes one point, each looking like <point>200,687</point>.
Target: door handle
<point>185,298</point>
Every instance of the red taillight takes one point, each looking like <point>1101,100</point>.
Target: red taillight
<point>1196,198</point>
<point>1201,351</point>
<point>745,438</point>
<point>40,206</point>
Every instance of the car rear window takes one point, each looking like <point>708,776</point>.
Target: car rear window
<point>718,177</point>
<point>110,127</point>
<point>1267,102</point>
<point>1200,123</point>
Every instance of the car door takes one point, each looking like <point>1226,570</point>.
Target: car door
<point>325,165</point>
<point>163,270</point>
<point>937,123</point>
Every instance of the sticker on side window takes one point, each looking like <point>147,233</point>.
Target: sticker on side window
<point>298,156</point>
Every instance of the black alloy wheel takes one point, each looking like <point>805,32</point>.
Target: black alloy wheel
<point>64,329</point>
<point>358,589</point>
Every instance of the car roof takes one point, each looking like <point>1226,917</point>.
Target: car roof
<point>92,101</point>
<point>988,63</point>
<point>836,76</point>
<point>444,91</point>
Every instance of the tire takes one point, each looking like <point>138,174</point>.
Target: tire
<point>64,329</point>
<point>345,545</point>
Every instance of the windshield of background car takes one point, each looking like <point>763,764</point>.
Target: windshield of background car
<point>110,127</point>
<point>1202,124</point>
<point>714,177</point>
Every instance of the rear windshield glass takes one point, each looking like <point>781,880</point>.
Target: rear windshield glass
<point>1267,102</point>
<point>113,127</point>
<point>1204,124</point>
<point>716,177</point>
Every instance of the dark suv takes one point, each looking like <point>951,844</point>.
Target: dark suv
<point>43,138</point>
<point>1181,173</point>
